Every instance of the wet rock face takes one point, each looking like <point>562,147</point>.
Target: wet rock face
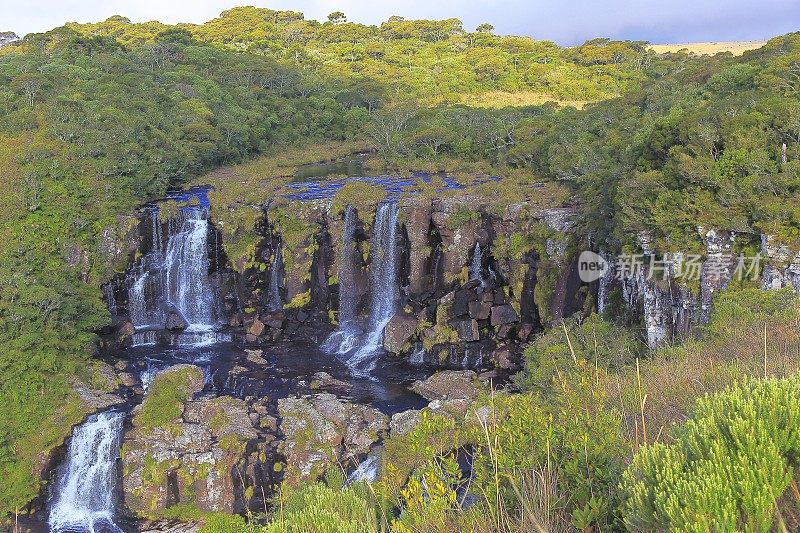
<point>437,246</point>
<point>398,332</point>
<point>718,268</point>
<point>192,460</point>
<point>323,430</point>
<point>175,322</point>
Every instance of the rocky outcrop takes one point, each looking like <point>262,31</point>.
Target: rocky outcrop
<point>782,268</point>
<point>323,430</point>
<point>175,322</point>
<point>448,385</point>
<point>398,332</point>
<point>718,267</point>
<point>197,458</point>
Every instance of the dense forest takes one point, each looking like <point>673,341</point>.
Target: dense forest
<point>96,119</point>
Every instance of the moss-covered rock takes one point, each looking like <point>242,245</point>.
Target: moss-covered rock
<point>184,453</point>
<point>323,430</point>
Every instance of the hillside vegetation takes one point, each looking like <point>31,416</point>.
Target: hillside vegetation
<point>428,61</point>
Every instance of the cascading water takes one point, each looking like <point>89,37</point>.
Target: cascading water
<point>144,305</point>
<point>111,301</point>
<point>84,496</point>
<point>274,301</point>
<point>367,471</point>
<point>348,341</point>
<point>383,282</point>
<point>345,338</point>
<point>186,265</point>
<point>174,277</point>
<point>476,267</point>
<point>418,355</point>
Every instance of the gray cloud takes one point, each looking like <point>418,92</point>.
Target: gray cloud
<point>564,22</point>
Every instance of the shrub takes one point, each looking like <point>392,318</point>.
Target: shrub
<point>593,340</point>
<point>521,445</point>
<point>727,468</point>
<point>360,194</point>
<point>319,508</point>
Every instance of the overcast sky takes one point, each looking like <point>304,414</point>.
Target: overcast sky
<point>564,21</point>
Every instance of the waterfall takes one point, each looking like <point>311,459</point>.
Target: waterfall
<point>418,355</point>
<point>186,266</point>
<point>348,339</point>
<point>155,229</point>
<point>174,276</point>
<point>346,336</point>
<point>84,495</point>
<point>476,267</point>
<point>144,302</point>
<point>383,282</point>
<point>367,471</point>
<point>111,300</point>
<point>274,301</point>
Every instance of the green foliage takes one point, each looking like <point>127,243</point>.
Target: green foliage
<point>434,61</point>
<point>166,396</point>
<point>594,341</point>
<point>359,194</point>
<point>225,523</point>
<point>571,435</point>
<point>319,508</point>
<point>730,348</point>
<point>464,215</point>
<point>727,468</point>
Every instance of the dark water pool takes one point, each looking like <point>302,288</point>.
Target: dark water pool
<point>290,369</point>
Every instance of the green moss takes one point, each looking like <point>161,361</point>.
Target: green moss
<point>166,396</point>
<point>363,196</point>
<point>463,216</point>
<point>299,301</point>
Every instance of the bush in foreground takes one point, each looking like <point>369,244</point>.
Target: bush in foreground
<point>728,468</point>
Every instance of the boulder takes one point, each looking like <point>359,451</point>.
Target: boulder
<point>402,423</point>
<point>323,430</point>
<point>94,400</point>
<point>448,385</point>
<point>503,315</point>
<point>398,332</point>
<point>256,357</point>
<point>126,329</point>
<point>235,321</point>
<point>473,284</point>
<point>175,322</point>
<point>480,310</point>
<point>524,332</point>
<point>461,302</point>
<point>504,357</point>
<point>256,329</point>
<point>273,320</point>
<point>128,379</point>
<point>170,526</point>
<point>323,379</point>
<point>467,330</point>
